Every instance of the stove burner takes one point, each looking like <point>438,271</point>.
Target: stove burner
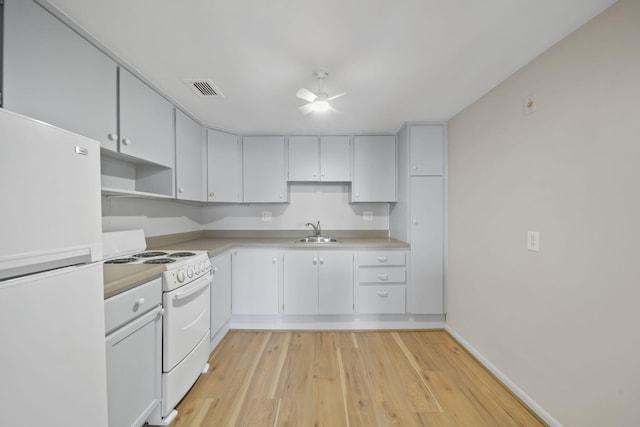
<point>149,254</point>
<point>121,261</point>
<point>181,254</point>
<point>159,261</point>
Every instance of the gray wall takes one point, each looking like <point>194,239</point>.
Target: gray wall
<point>564,323</point>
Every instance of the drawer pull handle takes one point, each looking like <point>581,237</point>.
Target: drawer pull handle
<point>180,295</point>
<point>382,259</point>
<point>139,302</point>
<point>383,294</point>
<point>383,276</point>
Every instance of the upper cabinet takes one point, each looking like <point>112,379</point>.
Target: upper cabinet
<point>374,169</point>
<point>146,122</point>
<point>224,167</point>
<point>190,156</point>
<point>52,74</point>
<point>320,159</point>
<point>264,169</point>
<point>427,150</point>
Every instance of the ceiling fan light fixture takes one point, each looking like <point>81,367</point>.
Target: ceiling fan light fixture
<point>321,106</point>
<point>317,102</point>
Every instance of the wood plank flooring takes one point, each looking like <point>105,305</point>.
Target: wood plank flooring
<point>351,379</point>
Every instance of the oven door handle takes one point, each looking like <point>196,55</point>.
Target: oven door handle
<point>180,295</point>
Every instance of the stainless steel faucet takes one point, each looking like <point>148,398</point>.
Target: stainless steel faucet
<point>316,228</point>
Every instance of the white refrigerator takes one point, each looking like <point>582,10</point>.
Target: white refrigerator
<point>52,350</point>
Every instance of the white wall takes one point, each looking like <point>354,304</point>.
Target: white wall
<point>563,323</point>
<point>156,217</point>
<point>327,203</point>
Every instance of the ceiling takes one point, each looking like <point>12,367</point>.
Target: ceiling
<point>406,60</point>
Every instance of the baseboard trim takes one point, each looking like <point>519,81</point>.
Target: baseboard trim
<point>506,381</point>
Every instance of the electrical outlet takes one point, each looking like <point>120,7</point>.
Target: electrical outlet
<point>266,216</point>
<point>533,241</point>
<point>530,104</point>
<point>367,216</point>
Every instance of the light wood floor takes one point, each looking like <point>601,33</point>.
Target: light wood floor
<point>351,379</point>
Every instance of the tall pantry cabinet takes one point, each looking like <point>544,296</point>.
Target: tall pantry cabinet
<point>418,216</point>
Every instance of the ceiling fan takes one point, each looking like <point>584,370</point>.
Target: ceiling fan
<point>318,101</point>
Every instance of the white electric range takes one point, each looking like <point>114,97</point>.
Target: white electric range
<point>186,302</point>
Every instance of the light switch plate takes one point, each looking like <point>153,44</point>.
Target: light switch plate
<point>533,241</point>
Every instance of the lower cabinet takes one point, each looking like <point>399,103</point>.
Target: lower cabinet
<point>255,282</point>
<point>220,292</point>
<point>382,282</point>
<point>133,322</point>
<point>318,282</point>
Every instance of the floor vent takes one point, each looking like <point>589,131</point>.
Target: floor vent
<point>204,88</point>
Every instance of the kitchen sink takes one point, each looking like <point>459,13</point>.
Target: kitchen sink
<point>313,239</point>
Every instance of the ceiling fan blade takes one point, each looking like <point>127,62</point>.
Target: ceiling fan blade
<point>306,109</point>
<point>336,96</point>
<point>306,94</point>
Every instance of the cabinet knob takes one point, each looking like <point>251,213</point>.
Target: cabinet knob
<point>211,194</point>
<point>322,174</point>
<point>180,190</point>
<point>112,137</point>
<point>126,141</point>
<point>315,174</point>
<point>315,260</point>
<point>139,301</point>
<point>357,195</point>
<point>281,196</point>
<point>414,221</point>
<point>274,260</point>
<point>414,167</point>
<point>321,261</point>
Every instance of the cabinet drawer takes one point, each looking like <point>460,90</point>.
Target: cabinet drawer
<point>382,299</point>
<point>121,308</point>
<point>382,258</point>
<point>382,275</point>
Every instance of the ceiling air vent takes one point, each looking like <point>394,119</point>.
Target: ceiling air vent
<point>204,88</point>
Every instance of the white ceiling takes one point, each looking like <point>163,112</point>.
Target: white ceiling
<point>404,60</point>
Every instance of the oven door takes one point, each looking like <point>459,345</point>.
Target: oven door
<point>186,320</point>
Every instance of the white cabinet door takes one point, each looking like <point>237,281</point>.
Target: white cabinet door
<point>427,149</point>
<point>146,122</point>
<point>254,288</point>
<point>134,370</point>
<point>189,158</point>
<point>224,167</point>
<point>304,161</point>
<point>374,169</point>
<point>52,74</point>
<point>335,282</point>
<point>426,289</point>
<point>335,158</point>
<point>220,292</point>
<point>323,159</point>
<point>264,169</point>
<point>300,282</point>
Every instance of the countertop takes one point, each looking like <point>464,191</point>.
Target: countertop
<point>218,245</point>
<point>122,277</point>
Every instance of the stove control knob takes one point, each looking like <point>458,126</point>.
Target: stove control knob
<point>197,268</point>
<point>190,271</point>
<point>181,276</point>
